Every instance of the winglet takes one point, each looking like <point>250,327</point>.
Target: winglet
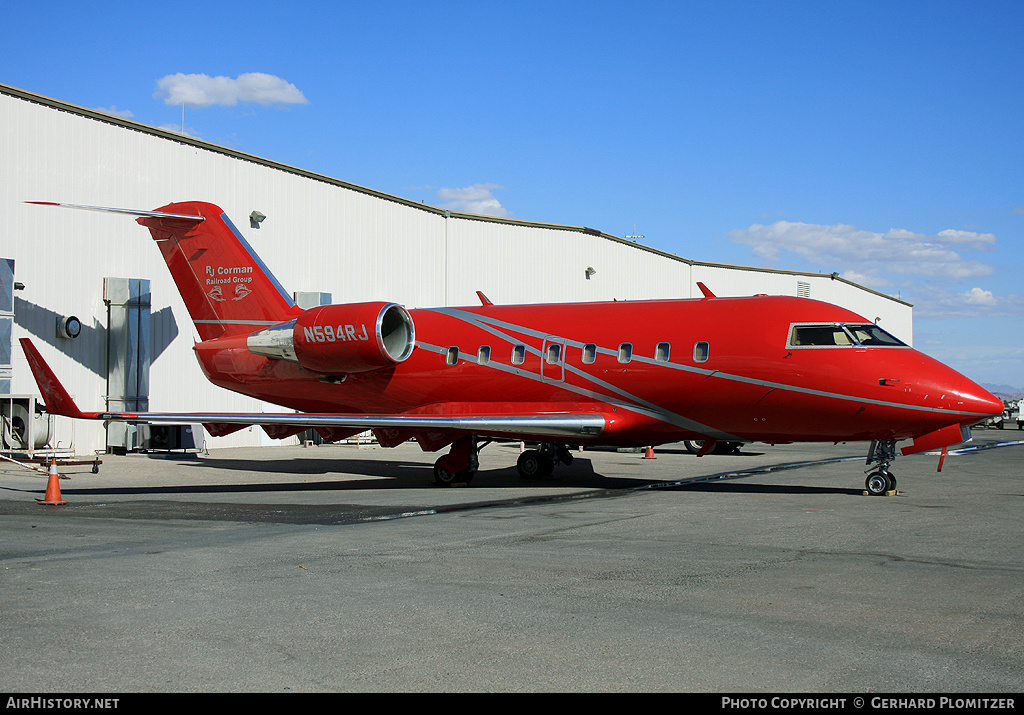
<point>705,290</point>
<point>484,300</point>
<point>57,399</point>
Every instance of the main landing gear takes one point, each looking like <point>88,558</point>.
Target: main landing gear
<point>460,464</point>
<point>881,480</point>
<point>462,461</point>
<point>539,463</point>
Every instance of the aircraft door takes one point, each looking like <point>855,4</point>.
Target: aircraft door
<point>552,359</point>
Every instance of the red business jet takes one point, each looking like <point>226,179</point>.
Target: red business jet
<point>763,368</point>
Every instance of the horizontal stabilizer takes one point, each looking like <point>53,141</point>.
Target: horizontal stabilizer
<point>57,399</point>
<point>129,212</point>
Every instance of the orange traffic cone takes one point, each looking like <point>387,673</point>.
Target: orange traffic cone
<point>53,497</point>
<point>650,453</point>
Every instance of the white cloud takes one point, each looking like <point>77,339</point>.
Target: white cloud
<point>475,199</point>
<point>924,269</point>
<point>200,90</point>
<point>978,296</point>
<point>977,241</point>
<point>177,129</point>
<point>123,113</point>
<point>938,301</point>
<point>872,256</point>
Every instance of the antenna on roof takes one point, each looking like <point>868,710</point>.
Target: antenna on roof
<point>634,237</point>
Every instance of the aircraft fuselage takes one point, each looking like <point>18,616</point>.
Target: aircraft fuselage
<point>664,370</point>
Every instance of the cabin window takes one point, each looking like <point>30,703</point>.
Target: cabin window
<point>553,353</point>
<point>625,352</point>
<point>452,356</point>
<point>700,351</point>
<point>483,355</point>
<point>589,353</point>
<point>662,352</point>
<point>518,354</point>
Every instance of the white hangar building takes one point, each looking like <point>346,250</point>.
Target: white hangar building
<point>325,240</point>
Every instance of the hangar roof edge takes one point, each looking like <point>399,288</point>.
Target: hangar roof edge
<point>101,116</point>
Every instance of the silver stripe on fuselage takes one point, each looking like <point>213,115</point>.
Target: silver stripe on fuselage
<point>638,405</point>
<point>635,403</point>
<point>486,322</point>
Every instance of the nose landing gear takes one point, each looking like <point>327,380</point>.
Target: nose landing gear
<point>881,481</point>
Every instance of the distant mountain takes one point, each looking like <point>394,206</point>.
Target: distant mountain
<point>1005,392</point>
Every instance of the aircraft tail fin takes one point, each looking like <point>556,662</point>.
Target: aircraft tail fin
<point>226,287</point>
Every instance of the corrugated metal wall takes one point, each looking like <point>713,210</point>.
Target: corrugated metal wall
<point>320,235</point>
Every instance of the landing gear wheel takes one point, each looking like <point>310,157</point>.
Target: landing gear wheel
<point>693,446</point>
<point>878,483</point>
<point>444,478</point>
<point>534,465</point>
<point>460,465</point>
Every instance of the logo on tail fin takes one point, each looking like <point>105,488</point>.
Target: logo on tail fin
<point>231,274</point>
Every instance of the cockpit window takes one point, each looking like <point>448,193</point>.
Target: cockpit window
<point>840,335</point>
<point>871,334</point>
<point>819,336</point>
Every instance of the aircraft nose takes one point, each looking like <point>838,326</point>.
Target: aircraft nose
<point>976,399</point>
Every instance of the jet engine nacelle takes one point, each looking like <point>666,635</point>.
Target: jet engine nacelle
<point>341,339</point>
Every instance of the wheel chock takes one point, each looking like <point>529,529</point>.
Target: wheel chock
<point>53,497</point>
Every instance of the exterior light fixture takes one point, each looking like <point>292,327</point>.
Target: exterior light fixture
<point>68,327</point>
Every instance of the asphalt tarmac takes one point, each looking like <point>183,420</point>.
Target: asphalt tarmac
<point>337,568</point>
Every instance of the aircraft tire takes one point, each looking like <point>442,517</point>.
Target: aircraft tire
<point>534,465</point>
<point>693,446</point>
<point>878,483</point>
<point>444,478</point>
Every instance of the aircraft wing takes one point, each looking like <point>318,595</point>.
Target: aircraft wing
<point>59,402</point>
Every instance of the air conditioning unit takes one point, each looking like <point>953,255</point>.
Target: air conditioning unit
<point>170,437</point>
<point>26,424</point>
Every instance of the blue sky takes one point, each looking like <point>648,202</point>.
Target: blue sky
<point>882,140</point>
